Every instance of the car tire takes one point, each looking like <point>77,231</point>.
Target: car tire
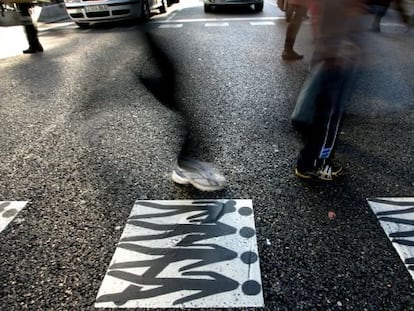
<point>83,25</point>
<point>163,8</point>
<point>258,7</point>
<point>207,8</point>
<point>145,11</point>
<point>169,3</point>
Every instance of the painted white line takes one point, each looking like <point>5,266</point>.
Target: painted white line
<point>396,216</point>
<point>185,254</point>
<point>262,23</point>
<point>44,27</point>
<point>170,26</point>
<point>207,20</point>
<point>8,211</point>
<point>216,24</point>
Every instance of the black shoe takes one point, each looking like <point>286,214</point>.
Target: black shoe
<point>291,55</point>
<point>326,171</point>
<point>32,50</point>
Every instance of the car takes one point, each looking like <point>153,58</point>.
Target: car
<point>85,12</point>
<point>257,4</point>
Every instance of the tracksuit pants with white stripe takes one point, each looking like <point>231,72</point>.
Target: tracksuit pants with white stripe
<point>320,137</point>
<point>338,49</point>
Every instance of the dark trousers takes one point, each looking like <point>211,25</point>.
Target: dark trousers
<point>29,27</point>
<point>164,86</point>
<point>334,91</point>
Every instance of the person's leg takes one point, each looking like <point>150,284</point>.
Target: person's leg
<point>202,175</point>
<point>315,158</point>
<point>380,9</point>
<point>292,30</point>
<point>30,30</point>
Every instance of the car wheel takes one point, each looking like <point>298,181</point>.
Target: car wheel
<point>258,7</point>
<point>83,25</point>
<point>169,3</point>
<point>207,8</point>
<point>145,11</point>
<point>163,8</point>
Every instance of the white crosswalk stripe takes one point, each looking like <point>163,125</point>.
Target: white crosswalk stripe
<point>216,24</point>
<point>170,26</point>
<point>265,23</point>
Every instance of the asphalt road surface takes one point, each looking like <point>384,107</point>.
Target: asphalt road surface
<point>82,139</point>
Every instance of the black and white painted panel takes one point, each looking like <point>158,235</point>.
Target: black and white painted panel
<point>396,216</point>
<point>8,211</point>
<point>193,254</point>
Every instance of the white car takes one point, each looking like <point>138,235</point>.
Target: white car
<point>257,4</point>
<point>85,12</point>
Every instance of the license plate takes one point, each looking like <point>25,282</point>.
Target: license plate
<point>96,8</point>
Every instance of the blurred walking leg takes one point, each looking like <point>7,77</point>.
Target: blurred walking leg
<point>202,175</point>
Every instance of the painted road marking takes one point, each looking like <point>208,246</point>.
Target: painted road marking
<point>185,254</point>
<point>8,211</point>
<point>265,23</point>
<point>396,216</point>
<point>208,20</point>
<point>216,24</point>
<point>170,26</point>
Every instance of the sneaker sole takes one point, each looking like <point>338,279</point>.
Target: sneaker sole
<point>300,175</point>
<point>185,181</point>
<point>317,177</point>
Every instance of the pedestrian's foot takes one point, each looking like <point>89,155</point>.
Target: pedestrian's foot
<point>291,55</point>
<point>35,49</point>
<point>201,175</point>
<point>326,171</point>
<point>30,51</point>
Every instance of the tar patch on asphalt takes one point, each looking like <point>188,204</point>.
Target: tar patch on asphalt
<point>396,216</point>
<point>8,211</point>
<point>185,254</point>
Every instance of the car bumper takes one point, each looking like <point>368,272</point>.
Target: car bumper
<point>89,12</point>
<point>231,2</point>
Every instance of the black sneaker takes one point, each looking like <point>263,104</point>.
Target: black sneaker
<point>327,171</point>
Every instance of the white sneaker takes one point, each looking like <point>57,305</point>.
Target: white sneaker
<point>201,175</point>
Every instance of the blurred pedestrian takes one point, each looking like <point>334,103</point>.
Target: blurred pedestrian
<point>30,29</point>
<point>203,176</point>
<point>380,8</point>
<point>295,13</point>
<point>328,88</point>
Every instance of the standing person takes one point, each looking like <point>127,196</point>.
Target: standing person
<point>203,176</point>
<point>380,9</point>
<point>295,13</point>
<point>30,29</point>
<point>328,88</point>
